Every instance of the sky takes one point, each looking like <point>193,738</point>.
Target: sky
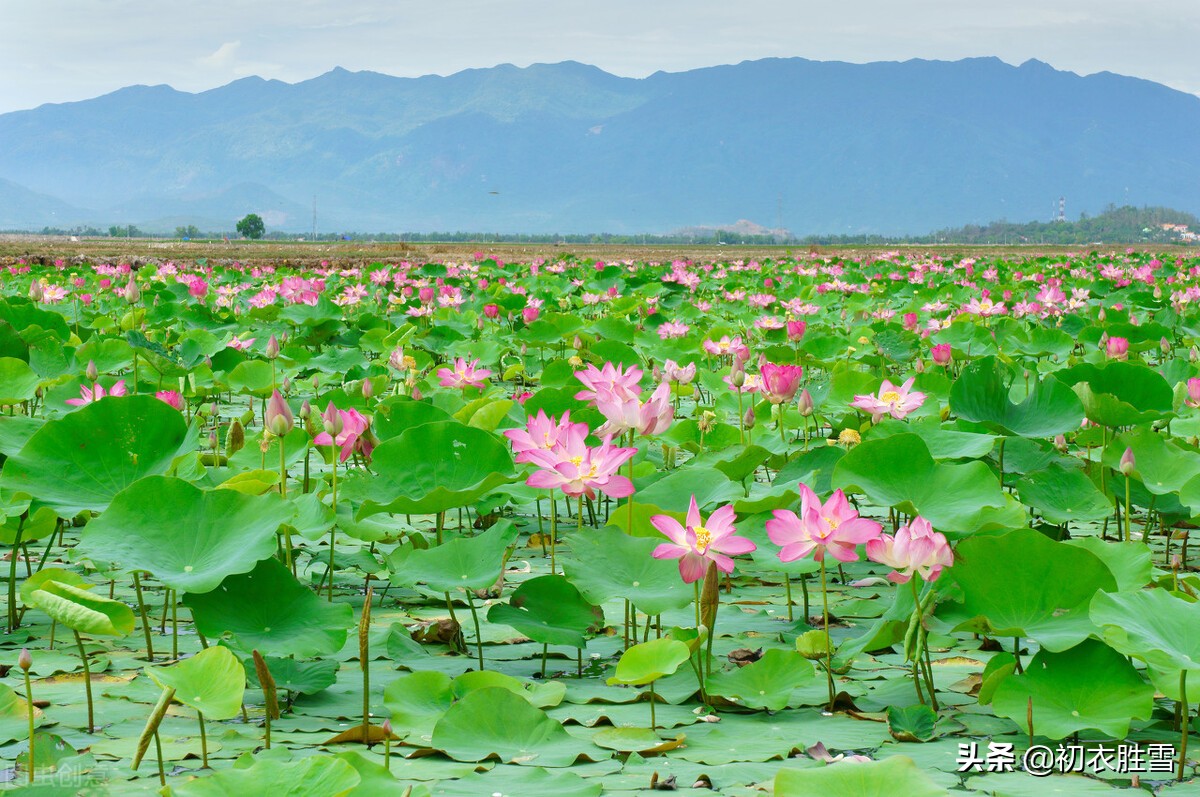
<point>67,50</point>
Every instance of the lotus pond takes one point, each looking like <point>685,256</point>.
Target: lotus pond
<point>900,524</point>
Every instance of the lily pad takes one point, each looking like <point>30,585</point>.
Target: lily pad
<point>83,611</point>
<point>548,609</point>
<point>608,563</point>
<point>981,394</point>
<point>460,563</point>
<point>766,683</point>
<point>190,539</point>
<point>892,776</point>
<point>212,682</point>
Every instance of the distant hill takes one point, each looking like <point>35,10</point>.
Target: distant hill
<point>810,147</point>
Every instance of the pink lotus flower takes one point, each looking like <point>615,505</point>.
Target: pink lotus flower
<point>1117,348</point>
<point>1193,391</point>
<point>583,471</point>
<point>171,397</point>
<point>795,330</point>
<point>278,418</point>
<point>897,401</point>
<point>530,314</point>
<point>727,346</point>
<point>241,345</point>
<point>625,412</point>
<point>697,543</point>
<point>350,437</point>
<point>916,549</point>
<point>780,383</point>
<point>680,374</point>
<point>833,527</point>
<point>942,354</point>
<point>543,436</point>
<point>96,392</point>
<point>465,374</point>
<point>611,379</point>
<point>491,310</point>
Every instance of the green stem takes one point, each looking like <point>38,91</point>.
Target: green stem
<point>1127,514</point>
<point>87,682</point>
<point>12,574</point>
<point>629,500</point>
<point>787,583</point>
<point>916,654</point>
<point>478,634</point>
<point>333,528</point>
<point>137,586</point>
<point>653,719</point>
<point>828,637</point>
<point>1183,702</point>
<point>174,625</point>
<point>29,711</point>
<point>291,562</point>
<point>553,532</point>
<point>203,742</point>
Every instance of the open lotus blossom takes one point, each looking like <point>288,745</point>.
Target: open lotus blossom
<point>96,392</point>
<point>349,432</point>
<point>942,354</point>
<point>1193,393</point>
<point>241,345</point>
<point>695,543</point>
<point>897,401</point>
<point>727,346</point>
<point>915,550</point>
<point>171,397</point>
<point>542,436</point>
<point>465,374</point>
<point>1117,348</point>
<point>609,378</point>
<point>780,383</point>
<point>832,527</point>
<point>625,413</point>
<point>674,372</point>
<point>583,471</point>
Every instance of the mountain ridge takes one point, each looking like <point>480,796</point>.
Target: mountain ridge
<point>811,146</point>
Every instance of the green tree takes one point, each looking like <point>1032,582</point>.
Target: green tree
<point>251,226</point>
<point>190,231</point>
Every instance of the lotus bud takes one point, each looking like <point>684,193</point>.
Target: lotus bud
<point>368,389</point>
<point>748,418</point>
<point>795,330</point>
<point>805,403</point>
<point>213,410</point>
<point>737,375</point>
<point>24,659</point>
<point>1128,462</point>
<point>213,443</point>
<point>1157,291</point>
<point>919,366</point>
<point>945,413</point>
<point>479,323</point>
<point>577,343</point>
<point>235,438</point>
<point>287,384</point>
<point>332,420</point>
<point>272,348</point>
<point>316,382</point>
<point>1164,345</point>
<point>524,349</point>
<point>1060,443</point>
<point>656,372</point>
<point>1193,354</point>
<point>132,293</point>
<point>279,418</point>
<point>1101,315</point>
<point>491,311</point>
<point>416,393</point>
<point>92,373</point>
<point>35,291</point>
<point>305,410</point>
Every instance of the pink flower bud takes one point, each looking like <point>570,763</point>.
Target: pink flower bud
<point>491,310</point>
<point>942,354</point>
<point>795,330</point>
<point>272,348</point>
<point>279,419</point>
<point>805,403</point>
<point>1128,462</point>
<point>368,389</point>
<point>24,659</point>
<point>92,373</point>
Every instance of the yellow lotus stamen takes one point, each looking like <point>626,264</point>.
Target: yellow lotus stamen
<point>890,396</point>
<point>703,538</point>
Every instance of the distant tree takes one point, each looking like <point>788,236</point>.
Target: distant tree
<point>251,226</point>
<point>190,231</point>
<point>124,231</point>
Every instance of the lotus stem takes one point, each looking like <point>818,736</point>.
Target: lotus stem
<point>12,574</point>
<point>151,729</point>
<point>828,637</point>
<point>203,741</point>
<point>162,775</point>
<point>629,499</point>
<point>333,529</point>
<point>270,699</point>
<point>87,682</point>
<point>29,712</point>
<point>653,719</point>
<point>137,587</point>
<point>291,562</point>
<point>787,583</point>
<point>364,660</point>
<point>916,652</point>
<point>1128,514</point>
<point>1186,711</point>
<point>553,531</point>
<point>479,635</point>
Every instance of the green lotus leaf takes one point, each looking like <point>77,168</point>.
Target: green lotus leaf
<point>1162,465</point>
<point>548,609</point>
<point>1090,686</point>
<point>316,776</point>
<point>911,723</point>
<point>291,675</point>
<point>1120,393</point>
<point>188,538</point>
<point>1129,562</point>
<point>212,682</point>
<point>648,661</point>
<point>39,578</point>
<point>460,563</point>
<point>525,781</point>
<point>1063,494</point>
<point>981,394</point>
<point>40,524</point>
<point>943,443</point>
<point>766,683</point>
<point>417,700</point>
<point>82,611</point>
<point>1148,625</point>
<point>1024,584</point>
<point>887,778</point>
<point>400,413</point>
<point>82,460</point>
<point>431,468</point>
<point>18,382</point>
<point>608,563</point>
<point>547,694</point>
<point>268,610</point>
<point>495,723</point>
<point>674,491</point>
<point>898,471</point>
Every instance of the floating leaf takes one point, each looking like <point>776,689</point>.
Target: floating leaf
<point>550,610</point>
<point>608,563</point>
<point>887,778</point>
<point>766,683</point>
<point>981,394</point>
<point>82,611</point>
<point>648,661</point>
<point>460,563</point>
<point>212,682</point>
